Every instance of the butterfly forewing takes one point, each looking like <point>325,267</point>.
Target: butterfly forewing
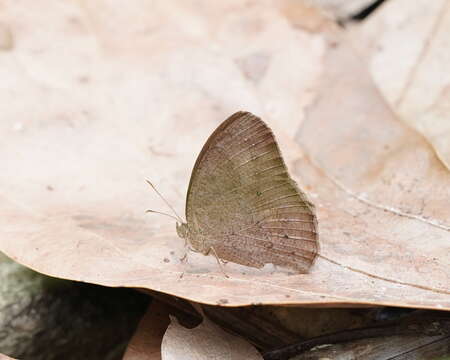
<point>242,202</point>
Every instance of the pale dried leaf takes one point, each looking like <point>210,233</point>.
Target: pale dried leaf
<point>129,94</point>
<point>409,56</point>
<point>342,8</point>
<point>4,357</point>
<point>146,342</point>
<point>206,341</point>
<point>372,172</point>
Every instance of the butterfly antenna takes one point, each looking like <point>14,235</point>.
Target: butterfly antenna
<point>162,213</point>
<point>176,217</point>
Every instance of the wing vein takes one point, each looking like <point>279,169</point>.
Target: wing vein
<point>253,159</point>
<point>276,199</point>
<point>247,148</point>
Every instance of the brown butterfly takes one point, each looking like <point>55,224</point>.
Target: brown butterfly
<point>242,204</point>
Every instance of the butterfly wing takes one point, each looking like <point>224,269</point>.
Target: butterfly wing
<point>242,202</point>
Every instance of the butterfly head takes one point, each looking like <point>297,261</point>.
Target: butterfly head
<point>182,230</point>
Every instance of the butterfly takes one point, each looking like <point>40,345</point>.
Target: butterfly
<point>243,206</point>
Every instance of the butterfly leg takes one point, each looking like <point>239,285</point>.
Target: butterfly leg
<point>184,259</point>
<point>218,260</point>
<point>188,248</point>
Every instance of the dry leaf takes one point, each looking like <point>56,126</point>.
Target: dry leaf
<point>381,191</point>
<point>393,347</point>
<point>343,8</point>
<point>4,357</point>
<point>206,341</point>
<point>409,57</point>
<point>129,94</point>
<point>146,342</point>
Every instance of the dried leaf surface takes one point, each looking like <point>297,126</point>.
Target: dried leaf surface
<point>146,342</point>
<point>409,56</point>
<point>371,171</point>
<point>343,8</point>
<point>88,120</point>
<point>396,347</point>
<point>4,357</point>
<point>206,341</point>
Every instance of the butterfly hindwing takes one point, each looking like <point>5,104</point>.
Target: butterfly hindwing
<point>242,202</point>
